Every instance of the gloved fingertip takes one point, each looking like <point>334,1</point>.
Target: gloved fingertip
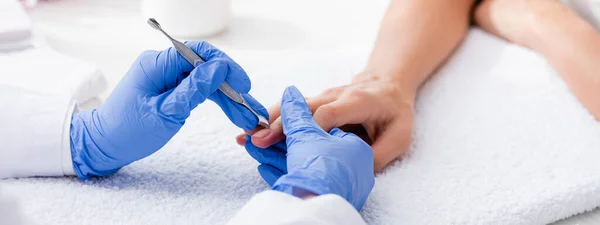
<point>293,101</point>
<point>292,93</point>
<point>296,115</point>
<point>237,113</point>
<point>250,121</point>
<point>256,106</point>
<point>262,111</point>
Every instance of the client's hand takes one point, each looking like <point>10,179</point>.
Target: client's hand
<point>151,104</point>
<point>317,162</point>
<point>374,109</point>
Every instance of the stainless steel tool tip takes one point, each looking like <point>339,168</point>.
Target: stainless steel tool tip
<point>154,24</point>
<point>263,122</point>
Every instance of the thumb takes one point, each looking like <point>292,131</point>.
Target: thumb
<point>296,118</point>
<point>193,90</point>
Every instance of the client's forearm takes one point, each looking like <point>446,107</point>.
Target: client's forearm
<point>576,57</point>
<point>569,43</point>
<point>572,47</point>
<point>415,37</point>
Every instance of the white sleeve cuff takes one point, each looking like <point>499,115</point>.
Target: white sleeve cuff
<point>274,207</point>
<point>34,133</point>
<point>66,160</point>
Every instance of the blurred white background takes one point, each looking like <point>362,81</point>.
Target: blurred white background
<point>111,33</point>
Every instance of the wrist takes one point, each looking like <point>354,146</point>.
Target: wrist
<point>87,157</point>
<point>77,135</point>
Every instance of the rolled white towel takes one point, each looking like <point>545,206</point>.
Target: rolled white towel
<point>15,27</point>
<point>46,71</point>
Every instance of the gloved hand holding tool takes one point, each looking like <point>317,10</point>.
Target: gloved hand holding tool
<point>151,104</point>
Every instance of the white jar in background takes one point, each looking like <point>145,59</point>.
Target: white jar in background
<point>189,18</point>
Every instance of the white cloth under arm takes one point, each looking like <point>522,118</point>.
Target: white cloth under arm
<point>34,133</point>
<point>273,207</point>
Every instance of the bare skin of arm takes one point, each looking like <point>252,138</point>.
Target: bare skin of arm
<point>569,43</point>
<point>415,38</point>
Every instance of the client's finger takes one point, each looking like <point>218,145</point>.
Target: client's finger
<point>342,112</point>
<point>275,133</point>
<point>241,139</point>
<point>267,137</point>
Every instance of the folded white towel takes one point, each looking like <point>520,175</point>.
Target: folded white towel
<point>15,26</point>
<point>499,139</point>
<point>47,71</point>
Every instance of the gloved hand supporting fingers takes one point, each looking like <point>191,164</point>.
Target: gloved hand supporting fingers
<point>266,137</point>
<point>298,123</point>
<point>193,90</point>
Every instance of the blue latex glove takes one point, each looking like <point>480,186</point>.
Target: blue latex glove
<point>151,104</point>
<point>319,162</point>
<point>273,162</point>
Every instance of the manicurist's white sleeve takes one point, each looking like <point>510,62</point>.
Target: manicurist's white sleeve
<point>274,207</point>
<point>34,133</point>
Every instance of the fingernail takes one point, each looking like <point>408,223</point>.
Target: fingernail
<point>262,133</point>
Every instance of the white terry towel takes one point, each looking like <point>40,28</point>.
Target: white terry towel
<point>499,139</point>
<point>49,72</point>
